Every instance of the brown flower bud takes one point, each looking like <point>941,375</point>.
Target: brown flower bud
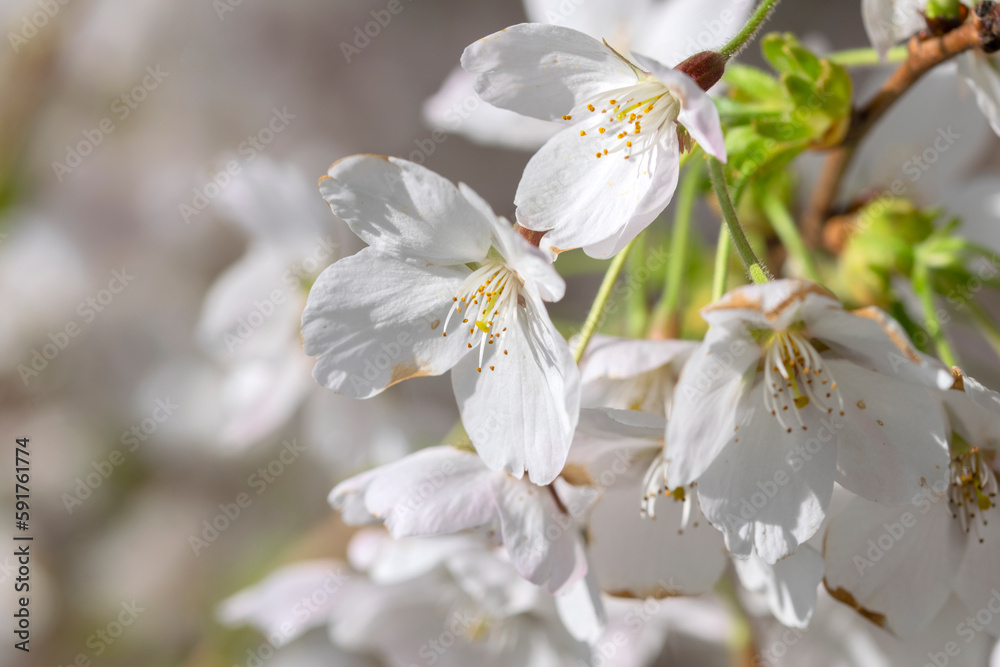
<point>706,68</point>
<point>988,22</point>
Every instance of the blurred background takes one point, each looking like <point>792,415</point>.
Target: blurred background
<point>159,228</point>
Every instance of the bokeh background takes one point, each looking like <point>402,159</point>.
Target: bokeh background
<point>131,248</point>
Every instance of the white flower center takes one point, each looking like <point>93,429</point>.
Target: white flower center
<point>795,375</point>
<point>631,118</point>
<point>972,490</point>
<point>486,301</point>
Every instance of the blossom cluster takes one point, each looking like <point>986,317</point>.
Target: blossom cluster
<point>794,443</point>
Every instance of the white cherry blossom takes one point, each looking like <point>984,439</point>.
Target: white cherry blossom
<point>445,284</point>
<point>443,490</point>
<point>667,30</point>
<point>899,567</point>
<point>789,392</point>
<point>606,176</point>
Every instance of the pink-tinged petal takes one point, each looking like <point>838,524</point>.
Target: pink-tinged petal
<point>977,582</point>
<point>790,585</point>
<point>982,73</point>
<point>404,209</point>
<point>597,203</point>
<point>872,339</point>
<point>436,490</point>
<point>774,305</point>
<point>542,541</point>
<point>635,556</point>
<point>895,566</point>
<point>457,109</point>
<point>373,320</point>
<point>284,605</point>
<point>520,414</point>
<point>543,71</point>
<point>889,22</point>
<point>698,114</point>
<point>707,400</point>
<point>891,441</point>
<point>769,487</point>
<point>581,609</point>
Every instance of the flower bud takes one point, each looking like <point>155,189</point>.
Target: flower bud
<point>988,22</point>
<point>706,68</point>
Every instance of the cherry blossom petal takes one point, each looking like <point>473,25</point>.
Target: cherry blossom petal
<point>675,30</point>
<point>581,609</point>
<point>520,414</point>
<point>597,19</point>
<point>790,585</point>
<point>768,489</point>
<point>872,339</point>
<point>706,401</point>
<point>977,582</point>
<point>891,440</point>
<point>585,200</point>
<point>543,71</point>
<point>373,321</point>
<point>223,328</point>
<point>404,209</point>
<point>635,556</point>
<point>541,540</point>
<point>982,72</point>
<point>889,22</point>
<point>632,374</point>
<point>436,490</point>
<point>974,412</point>
<point>290,601</point>
<point>775,305</point>
<point>457,109</point>
<point>896,566</point>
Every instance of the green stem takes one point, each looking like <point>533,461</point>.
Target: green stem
<point>741,642</point>
<point>863,57</point>
<point>922,286</point>
<point>755,268</point>
<point>601,301</point>
<point>784,225</point>
<point>667,311</point>
<point>721,264</point>
<point>760,15</point>
<point>637,311</point>
<point>987,327</point>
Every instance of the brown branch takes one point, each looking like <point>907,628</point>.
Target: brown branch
<point>924,56</point>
